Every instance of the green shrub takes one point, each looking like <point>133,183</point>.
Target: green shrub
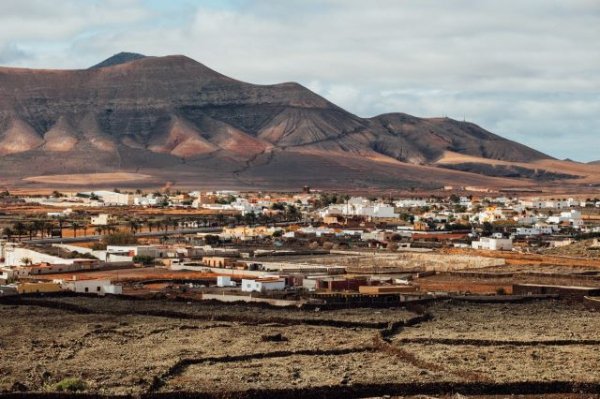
<point>70,384</point>
<point>119,238</point>
<point>145,260</point>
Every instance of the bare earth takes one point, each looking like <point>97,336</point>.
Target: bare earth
<point>86,179</point>
<point>120,346</point>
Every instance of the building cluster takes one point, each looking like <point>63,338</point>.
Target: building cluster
<point>259,226</point>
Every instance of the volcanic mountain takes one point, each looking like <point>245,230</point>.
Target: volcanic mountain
<point>174,119</point>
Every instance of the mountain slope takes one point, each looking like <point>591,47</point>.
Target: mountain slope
<point>176,119</point>
<point>117,59</point>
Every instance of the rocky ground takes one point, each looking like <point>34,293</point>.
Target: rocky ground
<point>585,248</point>
<point>117,347</point>
<point>526,322</point>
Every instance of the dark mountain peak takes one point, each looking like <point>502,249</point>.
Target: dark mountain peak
<point>120,58</point>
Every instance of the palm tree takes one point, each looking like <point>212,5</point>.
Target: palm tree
<point>19,229</point>
<point>250,218</point>
<point>134,225</point>
<point>26,261</point>
<point>75,226</point>
<point>31,230</point>
<point>7,232</point>
<point>48,227</point>
<point>38,225</point>
<point>61,222</point>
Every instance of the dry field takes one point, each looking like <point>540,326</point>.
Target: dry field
<point>515,258</point>
<point>489,280</point>
<point>85,179</point>
<point>120,354</point>
<point>403,261</point>
<point>119,346</point>
<point>533,321</point>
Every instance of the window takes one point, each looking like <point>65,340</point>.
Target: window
<point>98,289</point>
<point>87,289</point>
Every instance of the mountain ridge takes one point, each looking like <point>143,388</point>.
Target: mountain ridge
<point>117,59</point>
<point>175,116</point>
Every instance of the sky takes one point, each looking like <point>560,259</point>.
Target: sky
<point>528,70</point>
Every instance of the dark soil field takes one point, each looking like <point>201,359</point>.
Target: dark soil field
<point>118,347</point>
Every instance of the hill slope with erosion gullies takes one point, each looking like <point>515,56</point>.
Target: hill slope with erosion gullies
<point>177,120</point>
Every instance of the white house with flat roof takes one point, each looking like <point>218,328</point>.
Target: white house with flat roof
<point>263,284</point>
<point>97,287</point>
<point>493,244</point>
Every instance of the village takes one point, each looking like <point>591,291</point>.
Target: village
<point>307,247</point>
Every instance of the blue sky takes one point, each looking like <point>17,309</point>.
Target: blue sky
<point>527,70</point>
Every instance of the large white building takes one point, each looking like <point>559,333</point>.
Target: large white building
<point>98,287</point>
<point>493,244</point>
<point>14,255</point>
<point>358,206</point>
<point>240,204</point>
<point>113,198</point>
<point>535,230</point>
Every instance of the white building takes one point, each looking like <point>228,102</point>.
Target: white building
<point>100,220</point>
<point>526,219</point>
<point>561,203</point>
<point>493,244</point>
<point>535,231</point>
<point>240,204</point>
<point>112,198</point>
<point>534,203</point>
<point>225,281</point>
<point>98,287</point>
<point>411,203</point>
<point>126,250</point>
<point>146,200</point>
<point>490,214</point>
<point>318,231</point>
<point>263,284</point>
<point>572,217</point>
<point>57,215</point>
<point>14,255</point>
<point>358,206</point>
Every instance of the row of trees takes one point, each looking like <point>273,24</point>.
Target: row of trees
<point>53,227</point>
<point>43,228</point>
